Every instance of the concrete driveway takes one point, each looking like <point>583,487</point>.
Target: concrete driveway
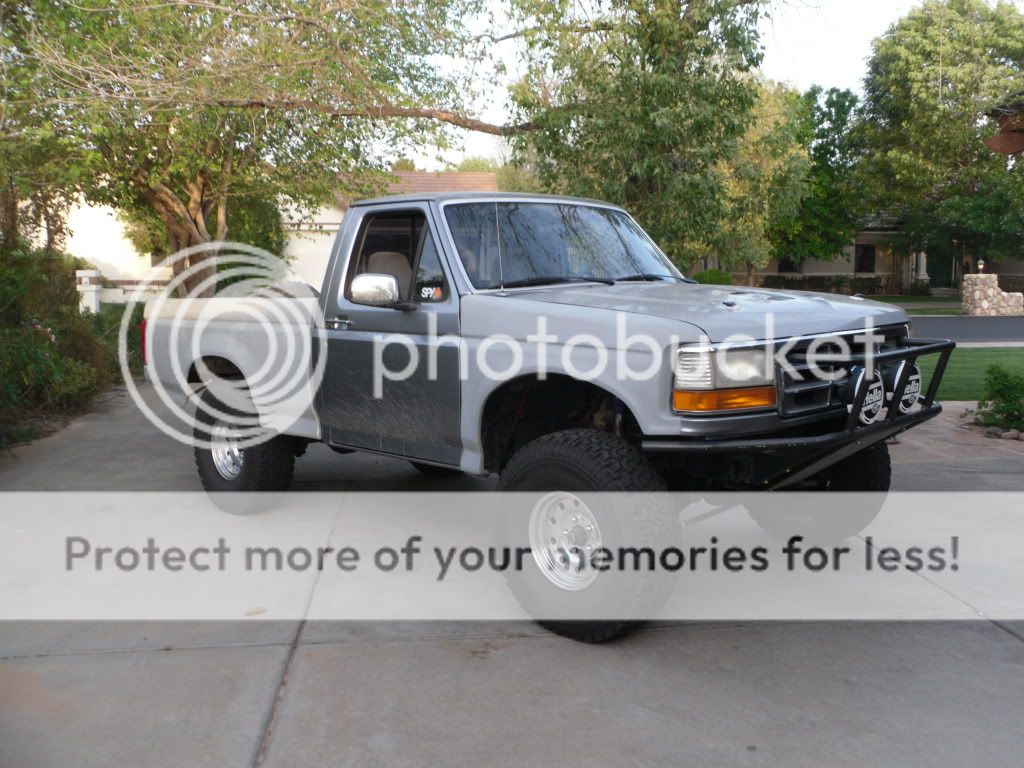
<point>426,694</point>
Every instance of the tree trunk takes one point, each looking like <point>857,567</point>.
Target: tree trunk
<point>8,216</point>
<point>186,228</point>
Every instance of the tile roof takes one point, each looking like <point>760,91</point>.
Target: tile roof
<point>442,181</point>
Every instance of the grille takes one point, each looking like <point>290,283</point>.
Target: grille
<point>802,390</point>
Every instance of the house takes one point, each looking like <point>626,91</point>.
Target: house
<point>870,264</point>
<point>871,261</point>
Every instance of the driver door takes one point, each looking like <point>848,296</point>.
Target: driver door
<point>418,416</point>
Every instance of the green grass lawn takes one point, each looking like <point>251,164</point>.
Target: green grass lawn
<point>965,374</point>
<point>934,311</point>
<point>916,299</point>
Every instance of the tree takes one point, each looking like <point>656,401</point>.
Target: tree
<point>640,103</point>
<point>403,164</point>
<point>37,181</point>
<point>251,220</point>
<point>930,79</point>
<point>514,176</point>
<point>832,209</point>
<point>179,108</point>
<point>765,182</point>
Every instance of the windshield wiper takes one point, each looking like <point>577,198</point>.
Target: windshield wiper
<point>527,282</point>
<point>643,276</point>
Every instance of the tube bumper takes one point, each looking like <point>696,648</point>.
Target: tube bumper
<point>780,462</point>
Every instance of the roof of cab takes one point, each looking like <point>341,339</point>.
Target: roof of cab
<point>444,197</point>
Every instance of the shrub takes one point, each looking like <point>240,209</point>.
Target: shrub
<point>1002,404</point>
<point>919,288</point>
<point>78,340</point>
<point>35,284</point>
<point>108,327</point>
<point>713,277</point>
<point>35,375</point>
<point>53,359</point>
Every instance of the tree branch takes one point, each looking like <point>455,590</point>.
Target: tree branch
<point>412,113</point>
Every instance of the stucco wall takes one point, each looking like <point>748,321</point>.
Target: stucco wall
<point>97,236</point>
<point>308,243</point>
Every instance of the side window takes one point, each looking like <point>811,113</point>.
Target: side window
<point>400,244</point>
<point>387,245</point>
<point>430,284</point>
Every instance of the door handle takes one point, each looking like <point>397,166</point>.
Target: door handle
<point>340,323</point>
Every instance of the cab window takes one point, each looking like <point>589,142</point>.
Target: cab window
<point>399,243</point>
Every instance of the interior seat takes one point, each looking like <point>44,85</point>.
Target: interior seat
<point>391,263</point>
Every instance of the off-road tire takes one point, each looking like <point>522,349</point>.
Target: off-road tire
<point>266,467</point>
<point>868,472</point>
<point>586,460</point>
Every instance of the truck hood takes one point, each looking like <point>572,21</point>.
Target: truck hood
<point>724,311</point>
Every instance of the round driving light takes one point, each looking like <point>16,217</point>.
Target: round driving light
<point>913,388</point>
<point>874,398</point>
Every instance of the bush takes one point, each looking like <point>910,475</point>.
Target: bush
<point>107,325</point>
<point>35,284</point>
<point>713,277</point>
<point>919,288</point>
<point>35,375</point>
<point>1002,404</point>
<point>53,358</point>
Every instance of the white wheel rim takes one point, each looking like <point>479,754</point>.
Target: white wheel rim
<point>563,534</point>
<point>225,447</point>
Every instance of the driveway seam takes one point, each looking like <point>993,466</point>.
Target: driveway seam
<point>267,729</point>
<point>980,614</point>
<point>1008,630</point>
<point>125,651</point>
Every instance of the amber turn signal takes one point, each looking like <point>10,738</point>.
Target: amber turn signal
<point>723,399</point>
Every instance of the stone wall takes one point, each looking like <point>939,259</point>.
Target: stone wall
<point>981,295</point>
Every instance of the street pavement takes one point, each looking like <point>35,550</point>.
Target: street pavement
<point>970,329</point>
<point>437,694</point>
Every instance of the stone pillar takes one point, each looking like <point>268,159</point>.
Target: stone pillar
<point>922,267</point>
<point>980,295</point>
<point>89,284</point>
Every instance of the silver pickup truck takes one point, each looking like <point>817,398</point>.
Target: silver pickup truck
<point>548,341</point>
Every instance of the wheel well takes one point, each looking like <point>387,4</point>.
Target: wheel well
<point>524,408</point>
<point>219,366</point>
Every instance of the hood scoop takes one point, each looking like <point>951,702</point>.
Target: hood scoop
<point>752,297</point>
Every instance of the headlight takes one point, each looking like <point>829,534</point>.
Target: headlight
<point>722,380</point>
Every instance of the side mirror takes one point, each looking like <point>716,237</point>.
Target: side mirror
<point>375,290</point>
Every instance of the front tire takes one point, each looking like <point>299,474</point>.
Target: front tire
<point>555,469</point>
<point>868,472</point>
<point>226,464</point>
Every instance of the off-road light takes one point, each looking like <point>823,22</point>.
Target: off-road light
<point>911,393</point>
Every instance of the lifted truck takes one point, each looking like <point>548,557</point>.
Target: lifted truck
<point>483,270</point>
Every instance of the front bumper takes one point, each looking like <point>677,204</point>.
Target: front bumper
<point>780,462</point>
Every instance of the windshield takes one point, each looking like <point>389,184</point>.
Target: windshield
<point>512,243</point>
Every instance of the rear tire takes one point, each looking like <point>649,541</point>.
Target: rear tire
<point>224,467</point>
<point>586,461</point>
